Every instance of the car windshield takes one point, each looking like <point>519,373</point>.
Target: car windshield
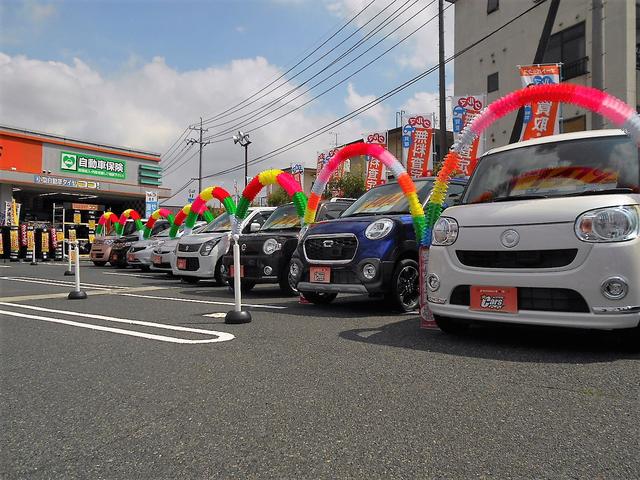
<point>283,218</point>
<point>220,224</point>
<point>165,232</point>
<point>387,199</point>
<point>556,169</point>
<point>129,228</point>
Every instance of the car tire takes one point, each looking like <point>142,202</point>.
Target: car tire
<point>319,298</point>
<point>452,326</point>
<point>405,285</point>
<point>190,280</point>
<point>99,264</point>
<point>245,285</point>
<point>217,276</point>
<point>287,285</point>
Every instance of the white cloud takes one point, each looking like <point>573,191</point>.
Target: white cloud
<point>418,52</point>
<point>429,102</point>
<point>39,11</point>
<point>379,114</point>
<point>148,105</point>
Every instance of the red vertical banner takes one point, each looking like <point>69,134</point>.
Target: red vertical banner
<point>465,109</point>
<point>417,145</point>
<point>540,118</point>
<point>375,174</point>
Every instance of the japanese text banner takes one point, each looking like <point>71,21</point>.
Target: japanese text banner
<point>540,118</point>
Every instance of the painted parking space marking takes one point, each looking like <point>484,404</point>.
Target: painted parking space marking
<point>215,315</point>
<point>60,280</point>
<point>139,275</point>
<point>59,283</point>
<point>210,302</point>
<point>47,296</point>
<point>218,336</point>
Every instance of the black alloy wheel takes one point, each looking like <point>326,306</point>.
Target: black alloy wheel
<point>287,282</point>
<point>405,285</point>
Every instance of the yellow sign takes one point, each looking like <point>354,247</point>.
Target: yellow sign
<point>31,240</point>
<point>72,254</point>
<point>77,218</point>
<point>45,241</point>
<point>60,237</point>
<point>14,213</point>
<point>72,235</point>
<point>92,238</point>
<point>15,245</point>
<point>1,246</point>
<point>92,224</point>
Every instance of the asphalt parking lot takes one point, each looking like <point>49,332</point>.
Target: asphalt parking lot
<point>144,380</point>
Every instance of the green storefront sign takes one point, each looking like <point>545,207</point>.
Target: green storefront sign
<point>92,165</point>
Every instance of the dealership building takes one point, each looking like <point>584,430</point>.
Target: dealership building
<point>68,183</point>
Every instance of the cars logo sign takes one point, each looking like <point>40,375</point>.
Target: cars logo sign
<point>417,145</point>
<point>465,109</point>
<point>376,173</point>
<point>540,118</point>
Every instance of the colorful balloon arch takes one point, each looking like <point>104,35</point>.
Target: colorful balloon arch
<point>199,205</point>
<point>132,214</point>
<point>610,107</point>
<point>181,217</point>
<point>379,152</point>
<point>160,213</point>
<point>269,177</point>
<point>106,219</point>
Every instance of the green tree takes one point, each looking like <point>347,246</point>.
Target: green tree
<point>278,197</point>
<point>349,185</point>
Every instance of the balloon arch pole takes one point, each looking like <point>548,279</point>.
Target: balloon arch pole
<point>268,177</point>
<point>613,109</point>
<point>135,216</point>
<point>181,216</point>
<point>106,220</point>
<point>155,216</point>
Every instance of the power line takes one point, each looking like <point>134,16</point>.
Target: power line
<point>305,138</point>
<point>328,77</point>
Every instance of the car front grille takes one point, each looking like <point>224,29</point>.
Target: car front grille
<point>533,298</point>
<point>188,247</point>
<point>331,248</point>
<point>517,258</point>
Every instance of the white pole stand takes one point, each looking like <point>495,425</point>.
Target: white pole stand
<point>33,255</point>
<point>77,294</point>
<point>69,270</point>
<point>237,315</point>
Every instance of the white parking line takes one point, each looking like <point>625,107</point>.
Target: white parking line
<point>66,282</point>
<point>140,275</point>
<point>211,302</point>
<point>220,336</point>
<point>55,283</point>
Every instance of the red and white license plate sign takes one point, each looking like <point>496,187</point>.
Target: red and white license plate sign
<point>320,274</point>
<point>114,257</point>
<point>156,259</point>
<point>182,263</point>
<point>130,257</point>
<point>494,299</point>
<point>241,271</point>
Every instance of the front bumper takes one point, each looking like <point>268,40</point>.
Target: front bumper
<point>140,258</point>
<point>118,257</point>
<point>253,267</point>
<point>100,253</point>
<point>348,278</point>
<point>165,264</point>
<point>568,296</point>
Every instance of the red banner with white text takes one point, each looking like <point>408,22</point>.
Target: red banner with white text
<point>540,118</point>
<point>376,174</point>
<point>417,145</point>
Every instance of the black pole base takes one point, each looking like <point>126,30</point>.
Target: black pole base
<point>81,295</point>
<point>33,263</point>
<point>234,317</point>
<point>68,273</point>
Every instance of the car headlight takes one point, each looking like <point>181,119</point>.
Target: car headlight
<point>206,247</point>
<point>108,242</point>
<point>379,229</point>
<point>270,246</point>
<point>445,232</point>
<point>611,224</point>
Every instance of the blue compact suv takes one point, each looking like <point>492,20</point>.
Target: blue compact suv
<point>371,249</point>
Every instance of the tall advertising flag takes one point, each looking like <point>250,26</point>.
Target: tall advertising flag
<point>417,145</point>
<point>376,174</point>
<point>540,118</point>
<point>465,109</point>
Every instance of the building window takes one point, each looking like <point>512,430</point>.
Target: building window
<point>493,83</point>
<point>568,47</point>
<point>575,124</point>
<point>492,6</point>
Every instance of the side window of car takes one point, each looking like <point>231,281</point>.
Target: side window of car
<point>454,194</point>
<point>332,210</point>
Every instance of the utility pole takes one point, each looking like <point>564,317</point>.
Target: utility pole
<point>191,141</point>
<point>443,100</point>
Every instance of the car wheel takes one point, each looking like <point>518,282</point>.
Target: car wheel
<point>99,264</point>
<point>217,276</point>
<point>453,326</point>
<point>245,285</point>
<point>405,285</point>
<point>191,280</point>
<point>287,282</point>
<point>319,298</point>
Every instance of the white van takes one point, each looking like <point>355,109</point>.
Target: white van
<point>547,233</point>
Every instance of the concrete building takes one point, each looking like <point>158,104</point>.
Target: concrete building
<point>580,32</point>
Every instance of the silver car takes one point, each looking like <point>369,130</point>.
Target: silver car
<point>548,233</point>
<point>139,254</point>
<point>163,255</point>
<point>199,256</point>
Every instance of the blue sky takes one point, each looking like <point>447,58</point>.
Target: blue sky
<point>138,72</point>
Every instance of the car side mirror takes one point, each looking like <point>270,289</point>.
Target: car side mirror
<point>254,227</point>
<point>455,198</point>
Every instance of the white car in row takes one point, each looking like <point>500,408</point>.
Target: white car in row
<point>199,255</point>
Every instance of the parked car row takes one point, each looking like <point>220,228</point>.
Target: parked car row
<point>546,232</point>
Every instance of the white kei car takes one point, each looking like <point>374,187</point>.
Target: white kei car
<point>547,233</point>
<point>163,254</point>
<point>199,255</point>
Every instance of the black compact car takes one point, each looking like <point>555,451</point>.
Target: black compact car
<point>265,255</point>
<point>121,245</point>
